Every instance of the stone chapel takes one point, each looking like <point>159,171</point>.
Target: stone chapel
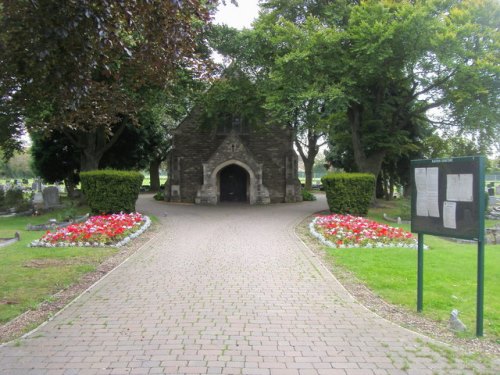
<point>231,161</point>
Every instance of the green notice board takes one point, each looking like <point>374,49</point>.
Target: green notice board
<point>448,197</point>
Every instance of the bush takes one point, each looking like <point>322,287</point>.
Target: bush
<point>13,197</point>
<point>160,196</point>
<point>2,198</point>
<point>349,193</point>
<point>307,195</point>
<point>111,191</point>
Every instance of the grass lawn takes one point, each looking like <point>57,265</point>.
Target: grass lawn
<point>147,180</point>
<point>32,275</point>
<point>450,272</point>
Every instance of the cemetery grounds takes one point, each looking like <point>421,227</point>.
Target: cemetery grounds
<point>385,280</point>
<point>33,277</point>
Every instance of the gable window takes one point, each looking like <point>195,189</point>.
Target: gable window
<point>228,122</point>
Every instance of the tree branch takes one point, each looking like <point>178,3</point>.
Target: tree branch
<point>71,138</point>
<point>115,137</point>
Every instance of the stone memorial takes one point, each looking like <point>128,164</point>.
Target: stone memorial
<point>37,185</point>
<point>51,197</point>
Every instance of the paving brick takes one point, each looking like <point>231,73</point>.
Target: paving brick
<point>224,290</point>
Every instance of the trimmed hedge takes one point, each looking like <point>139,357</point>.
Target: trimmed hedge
<point>349,193</point>
<point>110,191</point>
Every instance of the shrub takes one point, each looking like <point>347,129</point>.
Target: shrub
<point>111,191</point>
<point>2,198</point>
<point>13,197</point>
<point>160,196</point>
<point>307,195</point>
<point>349,193</point>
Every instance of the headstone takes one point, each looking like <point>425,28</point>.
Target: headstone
<point>51,197</point>
<point>498,189</point>
<point>492,201</point>
<point>38,200</point>
<point>37,185</point>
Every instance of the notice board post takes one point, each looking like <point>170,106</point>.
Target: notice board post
<point>448,200</point>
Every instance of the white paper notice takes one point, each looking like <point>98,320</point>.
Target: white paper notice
<point>452,187</point>
<point>459,187</point>
<point>466,188</point>
<point>450,214</point>
<point>432,181</point>
<point>421,184</point>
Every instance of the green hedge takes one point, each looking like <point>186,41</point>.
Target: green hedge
<point>349,193</point>
<point>110,191</point>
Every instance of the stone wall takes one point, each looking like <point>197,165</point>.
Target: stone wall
<point>266,153</point>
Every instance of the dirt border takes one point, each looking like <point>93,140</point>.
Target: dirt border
<point>31,319</point>
<point>394,313</point>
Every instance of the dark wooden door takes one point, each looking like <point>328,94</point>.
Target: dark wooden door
<point>233,184</point>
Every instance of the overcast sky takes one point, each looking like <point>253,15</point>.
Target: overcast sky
<point>240,16</point>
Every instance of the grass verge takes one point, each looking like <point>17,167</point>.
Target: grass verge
<point>40,281</point>
<point>450,271</point>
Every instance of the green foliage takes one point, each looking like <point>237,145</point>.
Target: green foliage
<point>349,193</point>
<point>82,67</point>
<point>160,196</point>
<point>307,195</point>
<point>367,69</point>
<point>13,197</point>
<point>111,191</point>
<point>233,97</point>
<point>18,165</point>
<point>2,199</point>
<point>54,157</point>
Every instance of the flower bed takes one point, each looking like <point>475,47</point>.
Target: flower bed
<point>105,230</point>
<point>346,231</point>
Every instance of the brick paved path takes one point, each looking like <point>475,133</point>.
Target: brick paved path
<point>224,290</point>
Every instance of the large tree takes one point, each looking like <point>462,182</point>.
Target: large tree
<point>375,70</point>
<point>79,66</point>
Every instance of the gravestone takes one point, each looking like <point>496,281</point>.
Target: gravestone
<point>37,185</point>
<point>498,190</point>
<point>51,197</point>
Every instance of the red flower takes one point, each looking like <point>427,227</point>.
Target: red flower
<point>100,229</point>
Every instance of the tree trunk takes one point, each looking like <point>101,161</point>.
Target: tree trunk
<point>89,161</point>
<point>308,169</point>
<point>391,188</point>
<point>308,156</point>
<point>366,163</point>
<point>154,174</point>
<point>93,144</point>
<point>70,186</point>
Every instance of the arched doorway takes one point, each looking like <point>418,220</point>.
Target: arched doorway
<point>233,184</point>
